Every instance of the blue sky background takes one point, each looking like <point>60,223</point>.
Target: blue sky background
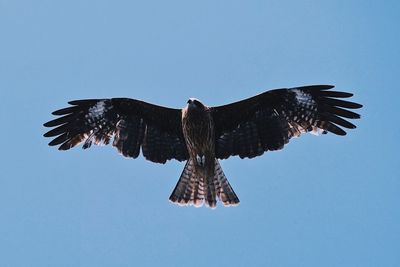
<point>322,201</point>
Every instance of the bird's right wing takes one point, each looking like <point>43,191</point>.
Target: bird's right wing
<point>132,123</point>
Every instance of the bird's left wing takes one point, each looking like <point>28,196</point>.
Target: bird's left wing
<point>267,121</point>
<point>132,123</point>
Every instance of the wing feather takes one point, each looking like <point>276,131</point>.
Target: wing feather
<point>133,125</point>
<point>267,121</point>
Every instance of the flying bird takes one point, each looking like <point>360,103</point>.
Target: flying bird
<point>202,135</point>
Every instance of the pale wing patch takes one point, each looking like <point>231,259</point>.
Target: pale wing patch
<point>308,109</point>
<point>97,111</point>
<point>96,119</point>
<point>303,98</point>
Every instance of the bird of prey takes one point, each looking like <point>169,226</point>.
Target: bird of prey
<point>201,135</point>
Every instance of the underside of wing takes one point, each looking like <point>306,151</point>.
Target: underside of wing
<point>131,124</point>
<point>266,122</point>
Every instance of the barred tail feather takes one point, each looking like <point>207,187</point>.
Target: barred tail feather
<point>193,189</point>
<point>224,190</point>
<point>189,190</point>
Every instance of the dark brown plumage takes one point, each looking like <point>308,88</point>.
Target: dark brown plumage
<point>202,135</point>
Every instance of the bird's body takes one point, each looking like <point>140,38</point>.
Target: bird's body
<point>198,130</point>
<point>202,178</point>
<point>201,135</point>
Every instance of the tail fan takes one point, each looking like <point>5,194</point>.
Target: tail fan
<point>193,189</point>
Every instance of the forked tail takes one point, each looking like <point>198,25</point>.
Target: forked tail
<point>195,189</point>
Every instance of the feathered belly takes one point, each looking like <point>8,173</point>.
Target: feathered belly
<point>199,136</point>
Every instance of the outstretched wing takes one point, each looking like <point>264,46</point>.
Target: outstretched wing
<point>132,123</point>
<point>267,121</point>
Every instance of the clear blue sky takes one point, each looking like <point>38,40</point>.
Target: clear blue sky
<point>322,201</point>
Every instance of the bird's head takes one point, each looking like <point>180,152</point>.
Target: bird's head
<point>194,103</point>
